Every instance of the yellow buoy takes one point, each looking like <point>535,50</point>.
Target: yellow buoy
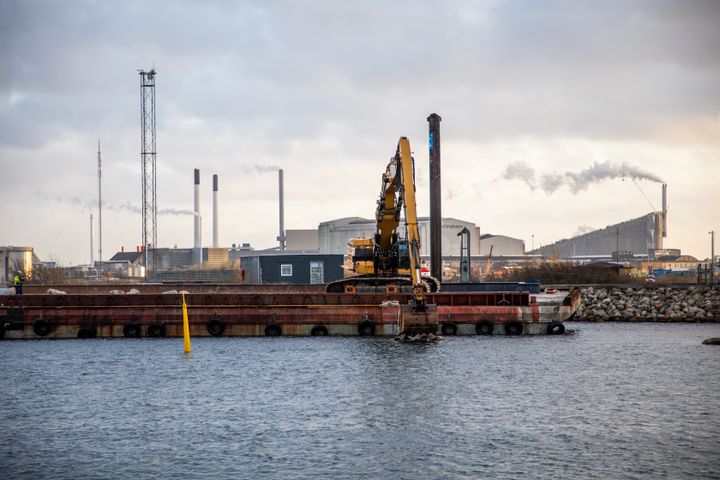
<point>186,327</point>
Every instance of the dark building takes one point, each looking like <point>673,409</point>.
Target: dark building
<point>293,268</point>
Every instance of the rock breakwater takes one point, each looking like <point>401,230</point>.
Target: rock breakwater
<point>650,304</point>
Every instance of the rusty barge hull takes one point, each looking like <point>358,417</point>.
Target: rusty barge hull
<point>270,314</point>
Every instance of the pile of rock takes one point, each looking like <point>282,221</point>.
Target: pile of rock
<point>650,304</point>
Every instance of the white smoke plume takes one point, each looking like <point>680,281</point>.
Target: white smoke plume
<point>257,168</point>
<point>583,229</point>
<point>576,181</point>
<point>129,207</point>
<point>91,206</point>
<point>175,211</point>
<point>520,171</point>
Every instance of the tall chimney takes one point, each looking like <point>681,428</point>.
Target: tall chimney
<point>281,236</point>
<point>197,245</point>
<point>215,211</point>
<point>435,201</point>
<point>92,240</point>
<point>664,210</point>
<point>99,175</point>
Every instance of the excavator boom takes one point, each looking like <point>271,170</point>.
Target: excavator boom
<point>404,157</point>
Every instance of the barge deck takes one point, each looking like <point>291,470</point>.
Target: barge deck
<point>243,311</point>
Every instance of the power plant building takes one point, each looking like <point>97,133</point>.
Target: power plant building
<point>334,235</point>
<point>637,237</point>
<point>640,236</point>
<point>501,245</point>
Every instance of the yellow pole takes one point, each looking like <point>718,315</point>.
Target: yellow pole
<point>186,327</point>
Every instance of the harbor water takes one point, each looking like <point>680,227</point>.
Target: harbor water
<point>612,401</point>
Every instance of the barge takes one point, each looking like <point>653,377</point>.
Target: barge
<point>154,311</point>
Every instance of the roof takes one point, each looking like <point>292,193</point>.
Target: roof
<point>131,257</point>
<point>490,235</point>
<point>677,258</point>
<point>601,264</point>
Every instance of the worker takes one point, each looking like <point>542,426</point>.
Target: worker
<point>17,281</point>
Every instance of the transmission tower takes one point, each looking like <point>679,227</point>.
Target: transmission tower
<point>149,178</point>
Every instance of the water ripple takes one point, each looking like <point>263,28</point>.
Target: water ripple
<point>616,401</point>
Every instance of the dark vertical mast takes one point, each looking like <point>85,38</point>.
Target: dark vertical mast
<point>435,200</point>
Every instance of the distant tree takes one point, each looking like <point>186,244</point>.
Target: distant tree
<point>48,275</point>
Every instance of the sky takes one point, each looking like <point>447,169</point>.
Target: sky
<point>531,95</point>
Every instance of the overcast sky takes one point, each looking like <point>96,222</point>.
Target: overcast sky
<point>324,90</point>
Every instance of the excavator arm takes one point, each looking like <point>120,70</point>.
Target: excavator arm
<point>406,164</point>
<point>397,193</point>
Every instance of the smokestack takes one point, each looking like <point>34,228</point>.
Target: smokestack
<point>99,173</point>
<point>92,238</point>
<point>281,236</point>
<point>664,210</point>
<point>435,202</point>
<point>216,241</point>
<point>197,245</point>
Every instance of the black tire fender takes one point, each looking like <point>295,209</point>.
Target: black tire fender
<point>513,327</point>
<point>87,332</point>
<point>156,330</point>
<point>273,331</point>
<point>555,328</point>
<point>131,330</point>
<point>448,329</point>
<point>319,331</point>
<point>366,328</point>
<point>41,327</point>
<point>215,326</point>
<point>484,327</point>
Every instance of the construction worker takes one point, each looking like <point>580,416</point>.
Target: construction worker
<point>17,281</point>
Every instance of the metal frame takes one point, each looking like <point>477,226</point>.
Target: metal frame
<point>148,154</point>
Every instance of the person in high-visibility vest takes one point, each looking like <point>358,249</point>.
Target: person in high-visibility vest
<point>17,281</point>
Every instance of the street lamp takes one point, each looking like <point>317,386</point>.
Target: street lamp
<point>712,255</point>
<point>617,245</point>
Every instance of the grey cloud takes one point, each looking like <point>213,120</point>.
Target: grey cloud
<point>295,69</point>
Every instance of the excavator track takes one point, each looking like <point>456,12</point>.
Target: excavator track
<point>376,283</point>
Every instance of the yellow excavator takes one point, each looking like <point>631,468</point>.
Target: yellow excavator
<point>387,262</point>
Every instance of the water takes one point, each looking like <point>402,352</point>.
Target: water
<point>615,401</point>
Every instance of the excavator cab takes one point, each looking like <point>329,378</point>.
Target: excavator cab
<point>403,255</point>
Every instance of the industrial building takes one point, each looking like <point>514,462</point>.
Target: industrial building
<point>502,245</point>
<point>292,268</point>
<point>334,235</point>
<point>639,237</point>
<point>301,240</point>
<point>16,259</point>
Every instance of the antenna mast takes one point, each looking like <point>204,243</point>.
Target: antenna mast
<point>149,178</point>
